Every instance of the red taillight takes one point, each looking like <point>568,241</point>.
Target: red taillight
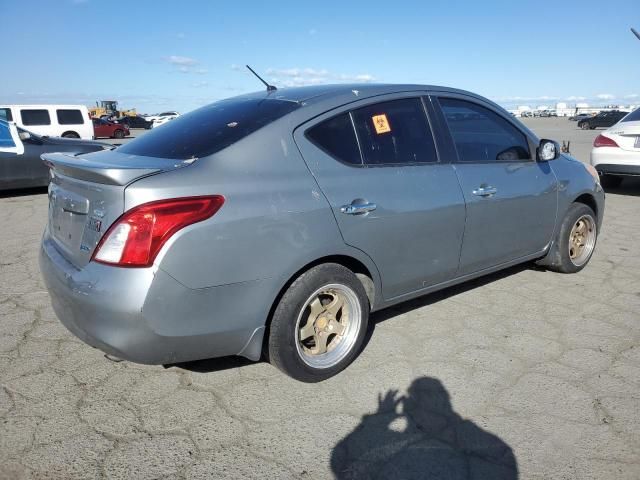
<point>602,141</point>
<point>136,237</point>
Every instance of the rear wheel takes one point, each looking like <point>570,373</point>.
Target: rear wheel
<point>319,324</point>
<point>118,134</point>
<point>610,181</point>
<point>585,126</point>
<point>70,135</point>
<point>575,241</point>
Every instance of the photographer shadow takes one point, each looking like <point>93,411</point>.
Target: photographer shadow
<point>420,437</point>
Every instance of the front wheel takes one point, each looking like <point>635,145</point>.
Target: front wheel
<point>70,135</point>
<point>585,126</point>
<point>118,134</point>
<point>575,241</point>
<point>319,324</point>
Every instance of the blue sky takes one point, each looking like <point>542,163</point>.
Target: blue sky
<point>160,55</point>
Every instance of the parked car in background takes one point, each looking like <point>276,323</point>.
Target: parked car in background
<point>164,118</point>
<point>156,116</point>
<point>602,119</point>
<point>20,151</point>
<point>319,204</point>
<point>616,152</point>
<point>526,114</point>
<point>136,122</point>
<point>68,121</point>
<point>104,128</point>
<point>580,116</point>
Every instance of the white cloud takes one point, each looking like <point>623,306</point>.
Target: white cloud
<point>186,64</point>
<point>298,77</point>
<point>632,96</point>
<point>184,61</point>
<point>574,98</point>
<point>200,84</point>
<point>236,67</point>
<point>605,96</point>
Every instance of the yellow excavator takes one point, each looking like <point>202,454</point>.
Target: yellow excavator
<point>110,107</point>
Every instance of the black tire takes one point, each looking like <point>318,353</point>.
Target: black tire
<point>118,134</point>
<point>610,181</point>
<point>558,258</point>
<point>70,135</point>
<point>585,126</point>
<point>283,350</point>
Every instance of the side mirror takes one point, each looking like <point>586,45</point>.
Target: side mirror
<point>547,150</point>
<point>24,135</point>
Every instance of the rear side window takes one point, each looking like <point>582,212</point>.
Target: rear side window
<point>395,132</point>
<point>35,117</point>
<point>632,117</point>
<point>482,135</point>
<point>337,137</point>
<point>209,129</point>
<point>70,117</point>
<point>5,114</point>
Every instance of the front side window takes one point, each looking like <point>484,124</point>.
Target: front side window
<point>395,132</point>
<point>209,129</point>
<point>337,137</point>
<point>5,114</point>
<point>481,135</point>
<point>70,117</point>
<point>35,117</point>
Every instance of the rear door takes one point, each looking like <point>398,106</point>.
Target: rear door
<point>377,164</point>
<point>511,199</point>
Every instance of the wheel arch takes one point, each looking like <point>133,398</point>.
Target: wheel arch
<point>361,270</point>
<point>72,132</point>
<point>590,201</point>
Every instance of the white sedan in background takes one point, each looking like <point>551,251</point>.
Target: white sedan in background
<point>616,151</point>
<point>162,118</point>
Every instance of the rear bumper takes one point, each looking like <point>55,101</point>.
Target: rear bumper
<point>145,316</point>
<point>615,161</point>
<point>614,169</point>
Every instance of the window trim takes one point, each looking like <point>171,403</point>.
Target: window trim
<point>436,96</point>
<point>421,96</point>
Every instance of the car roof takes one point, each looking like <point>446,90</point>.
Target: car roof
<point>317,93</point>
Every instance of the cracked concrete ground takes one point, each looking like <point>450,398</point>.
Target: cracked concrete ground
<point>525,374</point>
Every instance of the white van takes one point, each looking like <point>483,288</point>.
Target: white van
<point>71,121</point>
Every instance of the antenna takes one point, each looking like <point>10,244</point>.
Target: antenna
<point>634,31</point>
<point>270,88</point>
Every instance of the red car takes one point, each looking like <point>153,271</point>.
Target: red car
<point>103,128</point>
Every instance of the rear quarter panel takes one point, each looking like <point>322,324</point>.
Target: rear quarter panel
<point>275,219</point>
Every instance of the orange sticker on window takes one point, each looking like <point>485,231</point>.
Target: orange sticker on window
<point>381,124</point>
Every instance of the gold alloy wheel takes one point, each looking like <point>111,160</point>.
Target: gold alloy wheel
<point>582,240</point>
<point>328,326</point>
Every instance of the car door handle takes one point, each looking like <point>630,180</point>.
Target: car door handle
<point>485,191</point>
<point>358,208</point>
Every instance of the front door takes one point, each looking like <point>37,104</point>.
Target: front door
<point>391,196</point>
<point>511,199</point>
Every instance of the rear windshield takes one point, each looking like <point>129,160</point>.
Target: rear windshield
<point>208,129</point>
<point>633,116</point>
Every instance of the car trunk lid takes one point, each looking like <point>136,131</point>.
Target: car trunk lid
<point>626,135</point>
<point>86,195</point>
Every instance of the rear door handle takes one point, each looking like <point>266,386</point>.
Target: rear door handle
<point>358,208</point>
<point>485,191</point>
